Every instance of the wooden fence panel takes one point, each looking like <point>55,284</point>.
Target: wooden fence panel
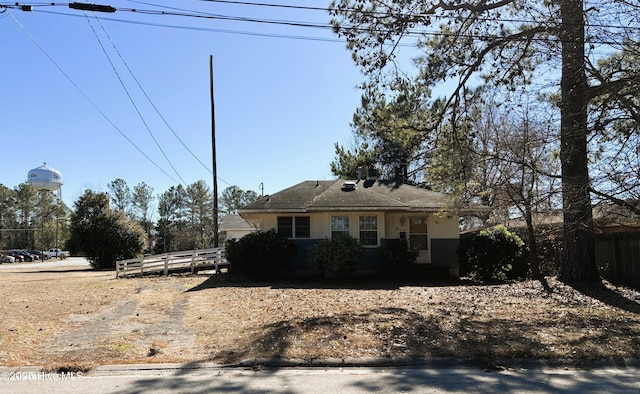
<point>618,257</point>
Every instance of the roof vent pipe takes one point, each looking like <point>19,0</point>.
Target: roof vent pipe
<point>348,186</point>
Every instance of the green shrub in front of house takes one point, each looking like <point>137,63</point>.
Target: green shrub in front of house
<point>336,257</point>
<point>262,255</point>
<point>397,257</point>
<point>490,254</point>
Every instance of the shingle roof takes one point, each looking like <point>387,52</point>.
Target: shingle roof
<point>234,222</point>
<point>318,196</point>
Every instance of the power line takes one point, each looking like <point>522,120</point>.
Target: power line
<point>296,7</point>
<point>150,101</point>
<point>127,91</point>
<point>204,29</point>
<point>155,107</point>
<point>194,14</point>
<point>87,97</point>
<point>200,14</point>
<point>325,26</point>
<point>105,116</point>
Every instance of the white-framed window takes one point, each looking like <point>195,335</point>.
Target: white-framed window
<point>368,226</point>
<point>339,225</point>
<point>294,226</point>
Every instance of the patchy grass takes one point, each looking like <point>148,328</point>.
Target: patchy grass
<point>79,319</point>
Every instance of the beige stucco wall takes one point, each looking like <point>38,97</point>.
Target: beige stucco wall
<point>389,225</point>
<point>267,222</point>
<point>320,222</point>
<point>438,226</point>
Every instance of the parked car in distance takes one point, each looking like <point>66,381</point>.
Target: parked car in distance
<point>24,254</point>
<point>33,256</point>
<point>18,257</point>
<point>41,255</point>
<point>55,252</point>
<point>8,259</point>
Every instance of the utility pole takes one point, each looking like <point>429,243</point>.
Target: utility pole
<point>216,238</point>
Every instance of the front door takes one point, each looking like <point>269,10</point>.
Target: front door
<point>418,238</point>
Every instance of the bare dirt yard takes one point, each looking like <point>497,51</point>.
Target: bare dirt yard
<point>70,317</point>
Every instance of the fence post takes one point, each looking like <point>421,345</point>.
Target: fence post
<point>166,264</point>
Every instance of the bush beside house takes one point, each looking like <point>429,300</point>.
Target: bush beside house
<point>397,257</point>
<point>263,255</point>
<point>336,257</point>
<point>491,254</point>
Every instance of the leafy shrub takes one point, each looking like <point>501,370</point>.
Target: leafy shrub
<point>397,257</point>
<point>336,257</point>
<point>491,254</point>
<point>263,255</point>
<point>102,235</point>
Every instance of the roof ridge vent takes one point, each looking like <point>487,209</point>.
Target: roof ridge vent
<point>348,186</point>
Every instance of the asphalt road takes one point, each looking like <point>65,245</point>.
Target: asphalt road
<point>199,379</point>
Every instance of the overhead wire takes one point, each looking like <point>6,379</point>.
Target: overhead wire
<point>180,12</point>
<point>151,102</point>
<point>95,106</point>
<point>326,26</point>
<point>203,15</point>
<point>295,7</point>
<point>146,125</point>
<point>384,14</point>
<point>129,96</point>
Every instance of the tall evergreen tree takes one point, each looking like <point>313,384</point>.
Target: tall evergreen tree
<point>507,43</point>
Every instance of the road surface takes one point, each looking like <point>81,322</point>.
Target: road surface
<point>198,379</point>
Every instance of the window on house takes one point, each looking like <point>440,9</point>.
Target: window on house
<point>369,230</point>
<point>294,226</point>
<point>339,225</point>
<point>418,229</point>
<point>302,227</point>
<point>285,226</point>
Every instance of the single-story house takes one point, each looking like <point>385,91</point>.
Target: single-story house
<point>234,227</point>
<point>372,211</point>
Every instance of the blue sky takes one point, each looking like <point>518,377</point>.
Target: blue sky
<point>280,103</point>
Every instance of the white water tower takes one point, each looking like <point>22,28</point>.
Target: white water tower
<point>45,178</point>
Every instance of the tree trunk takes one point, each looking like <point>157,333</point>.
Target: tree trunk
<point>578,261</point>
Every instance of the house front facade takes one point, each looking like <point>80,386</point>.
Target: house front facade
<point>371,211</point>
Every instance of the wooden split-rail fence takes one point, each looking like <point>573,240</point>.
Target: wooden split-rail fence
<point>173,262</point>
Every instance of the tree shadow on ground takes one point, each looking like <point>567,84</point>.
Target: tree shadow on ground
<point>610,296</point>
<point>397,333</point>
<point>357,283</point>
<point>193,378</point>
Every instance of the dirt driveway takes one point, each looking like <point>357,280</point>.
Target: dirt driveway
<point>64,313</point>
<point>68,316</point>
